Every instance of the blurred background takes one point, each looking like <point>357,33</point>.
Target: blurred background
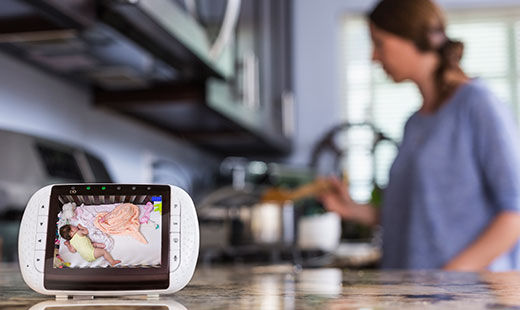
<point>227,99</point>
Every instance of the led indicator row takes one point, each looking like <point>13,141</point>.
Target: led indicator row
<point>119,187</point>
<point>102,188</point>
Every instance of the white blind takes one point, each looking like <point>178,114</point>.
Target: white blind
<point>491,52</point>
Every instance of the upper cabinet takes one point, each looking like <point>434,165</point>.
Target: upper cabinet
<point>214,72</point>
<point>263,78</point>
<point>172,31</point>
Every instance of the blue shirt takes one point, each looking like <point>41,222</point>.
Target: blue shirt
<point>455,171</point>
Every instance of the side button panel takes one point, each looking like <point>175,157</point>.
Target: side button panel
<point>43,208</point>
<point>174,261</point>
<point>175,239</point>
<point>175,208</point>
<point>175,224</point>
<point>41,238</point>
<point>41,224</point>
<point>39,259</point>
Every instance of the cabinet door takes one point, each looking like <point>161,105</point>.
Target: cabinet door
<point>261,49</point>
<point>263,57</point>
<point>276,63</point>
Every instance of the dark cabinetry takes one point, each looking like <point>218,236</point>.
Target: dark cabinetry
<point>247,112</point>
<point>264,64</point>
<point>153,60</point>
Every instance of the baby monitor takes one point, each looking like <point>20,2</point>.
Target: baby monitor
<point>108,239</point>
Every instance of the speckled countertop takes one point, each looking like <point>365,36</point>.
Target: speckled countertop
<point>283,287</point>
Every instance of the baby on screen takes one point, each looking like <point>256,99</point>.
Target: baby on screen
<point>78,241</point>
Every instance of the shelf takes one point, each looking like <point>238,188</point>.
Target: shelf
<point>204,114</point>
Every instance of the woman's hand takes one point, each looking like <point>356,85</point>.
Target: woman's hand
<point>337,199</point>
<point>499,237</point>
<point>460,265</point>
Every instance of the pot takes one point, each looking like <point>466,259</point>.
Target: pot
<point>263,224</point>
<point>272,223</point>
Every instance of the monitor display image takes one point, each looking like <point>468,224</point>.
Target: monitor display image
<point>97,231</point>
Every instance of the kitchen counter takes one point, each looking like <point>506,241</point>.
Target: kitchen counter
<point>284,287</point>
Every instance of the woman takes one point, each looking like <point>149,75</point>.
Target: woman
<point>453,198</point>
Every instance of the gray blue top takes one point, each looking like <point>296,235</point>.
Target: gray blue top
<point>455,171</point>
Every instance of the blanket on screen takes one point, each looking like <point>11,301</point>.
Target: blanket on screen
<point>123,220</point>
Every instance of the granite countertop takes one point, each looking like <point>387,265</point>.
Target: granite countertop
<point>284,287</point>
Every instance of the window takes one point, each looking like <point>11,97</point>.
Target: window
<point>492,52</point>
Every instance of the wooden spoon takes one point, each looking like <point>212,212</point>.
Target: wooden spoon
<point>281,195</point>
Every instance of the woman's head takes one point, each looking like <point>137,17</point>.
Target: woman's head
<point>398,56</point>
<point>407,33</point>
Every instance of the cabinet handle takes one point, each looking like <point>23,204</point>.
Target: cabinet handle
<point>288,113</point>
<point>227,29</point>
<point>250,91</point>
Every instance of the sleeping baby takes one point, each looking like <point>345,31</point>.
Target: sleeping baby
<point>78,241</point>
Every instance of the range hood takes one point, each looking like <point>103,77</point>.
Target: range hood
<point>111,44</point>
<point>163,28</point>
<point>131,51</point>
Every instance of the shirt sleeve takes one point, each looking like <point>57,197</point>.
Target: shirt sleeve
<point>497,148</point>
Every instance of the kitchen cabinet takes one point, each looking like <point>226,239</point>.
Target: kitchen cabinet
<point>151,60</point>
<point>264,78</point>
<point>241,113</point>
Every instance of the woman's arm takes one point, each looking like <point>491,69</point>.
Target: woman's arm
<point>501,234</point>
<point>338,200</point>
<point>497,154</point>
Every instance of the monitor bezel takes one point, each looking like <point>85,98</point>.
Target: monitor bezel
<point>107,279</point>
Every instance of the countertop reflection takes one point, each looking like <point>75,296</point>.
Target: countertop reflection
<point>285,287</point>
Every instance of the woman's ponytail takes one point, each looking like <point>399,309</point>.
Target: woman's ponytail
<point>450,54</point>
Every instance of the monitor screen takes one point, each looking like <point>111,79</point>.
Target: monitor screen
<point>105,237</point>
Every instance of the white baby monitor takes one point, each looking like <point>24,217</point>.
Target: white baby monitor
<point>108,240</point>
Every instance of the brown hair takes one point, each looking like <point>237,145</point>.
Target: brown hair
<point>65,232</point>
<point>422,22</point>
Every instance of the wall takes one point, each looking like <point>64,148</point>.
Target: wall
<point>317,65</point>
<point>34,102</point>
